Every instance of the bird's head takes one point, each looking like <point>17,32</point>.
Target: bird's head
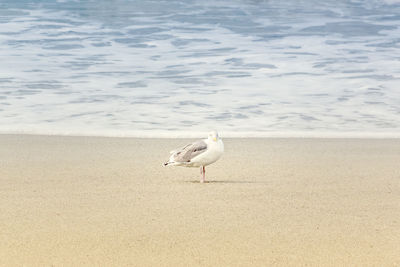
<point>213,136</point>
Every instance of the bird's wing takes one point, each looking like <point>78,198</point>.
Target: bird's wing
<point>179,149</point>
<point>190,151</point>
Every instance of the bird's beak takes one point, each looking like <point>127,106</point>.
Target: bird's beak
<point>215,139</point>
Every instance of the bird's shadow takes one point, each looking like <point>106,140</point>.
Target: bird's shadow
<point>226,182</point>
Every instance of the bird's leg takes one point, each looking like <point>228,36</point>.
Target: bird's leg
<point>203,171</point>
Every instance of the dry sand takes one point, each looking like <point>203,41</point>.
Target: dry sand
<point>70,201</point>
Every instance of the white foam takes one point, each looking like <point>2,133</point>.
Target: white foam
<point>201,134</point>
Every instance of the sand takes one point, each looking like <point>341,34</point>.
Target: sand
<point>73,201</point>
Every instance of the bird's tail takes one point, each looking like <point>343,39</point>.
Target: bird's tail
<point>170,161</point>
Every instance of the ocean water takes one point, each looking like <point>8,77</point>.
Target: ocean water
<point>180,68</point>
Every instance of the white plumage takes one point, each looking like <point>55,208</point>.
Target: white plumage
<point>198,154</point>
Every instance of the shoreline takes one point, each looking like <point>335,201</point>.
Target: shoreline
<point>70,201</point>
<point>242,135</point>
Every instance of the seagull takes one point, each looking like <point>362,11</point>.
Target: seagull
<point>198,154</point>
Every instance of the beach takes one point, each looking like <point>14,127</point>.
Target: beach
<point>98,201</point>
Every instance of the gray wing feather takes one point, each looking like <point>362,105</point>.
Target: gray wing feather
<point>179,149</point>
<point>190,151</point>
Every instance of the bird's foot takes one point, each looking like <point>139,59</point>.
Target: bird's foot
<point>203,181</point>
